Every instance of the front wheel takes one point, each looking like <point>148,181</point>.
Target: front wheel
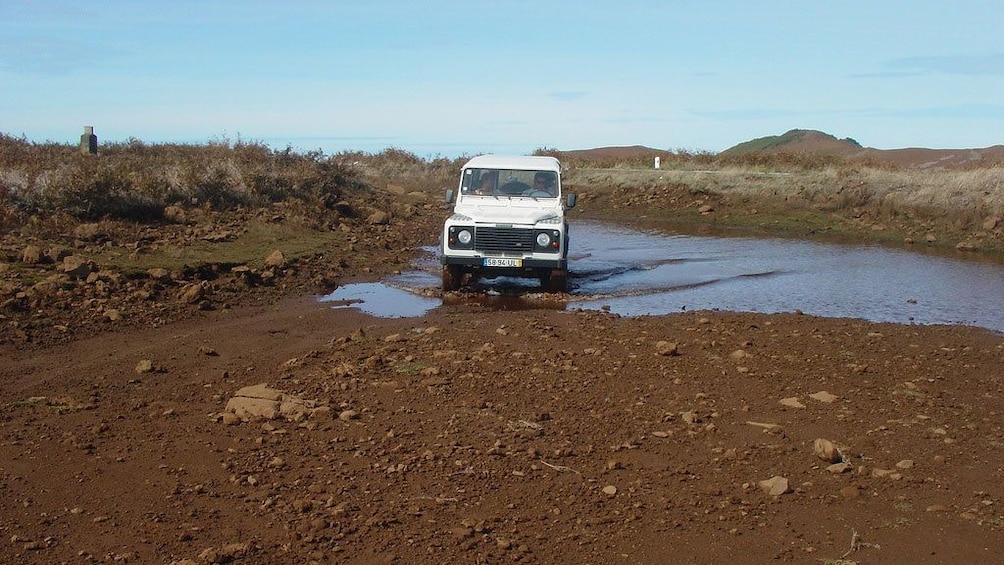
<point>451,277</point>
<point>555,281</point>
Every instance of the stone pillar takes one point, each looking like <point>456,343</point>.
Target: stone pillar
<point>89,141</point>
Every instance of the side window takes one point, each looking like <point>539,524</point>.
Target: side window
<point>466,181</point>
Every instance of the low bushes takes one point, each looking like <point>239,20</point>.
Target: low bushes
<point>136,181</point>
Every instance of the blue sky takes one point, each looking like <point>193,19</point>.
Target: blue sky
<point>451,78</point>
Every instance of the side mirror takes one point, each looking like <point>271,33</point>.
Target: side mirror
<point>570,202</point>
<point>449,196</point>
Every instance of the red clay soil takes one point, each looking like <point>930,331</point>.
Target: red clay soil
<point>482,436</point>
<point>478,436</point>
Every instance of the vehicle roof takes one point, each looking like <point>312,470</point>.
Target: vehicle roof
<point>518,162</point>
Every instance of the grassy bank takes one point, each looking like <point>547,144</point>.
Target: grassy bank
<point>51,187</point>
<point>947,209</point>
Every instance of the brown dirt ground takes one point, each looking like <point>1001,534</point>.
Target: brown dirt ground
<point>480,436</point>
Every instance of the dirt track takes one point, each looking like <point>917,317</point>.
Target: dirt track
<point>476,436</point>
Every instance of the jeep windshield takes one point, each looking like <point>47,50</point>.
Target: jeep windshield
<point>509,183</point>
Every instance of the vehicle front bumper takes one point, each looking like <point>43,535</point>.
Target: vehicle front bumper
<point>531,263</point>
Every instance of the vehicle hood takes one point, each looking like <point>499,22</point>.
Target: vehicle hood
<point>508,212</point>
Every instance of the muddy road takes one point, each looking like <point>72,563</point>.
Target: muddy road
<point>257,424</point>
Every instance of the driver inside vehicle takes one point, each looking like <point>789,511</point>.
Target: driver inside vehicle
<point>544,182</point>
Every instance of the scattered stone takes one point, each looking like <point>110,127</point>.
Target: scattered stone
<point>840,468</point>
<point>207,351</point>
<point>827,451</point>
<point>610,490</point>
<point>192,293</point>
<point>256,402</point>
<point>276,260</point>
<point>991,223</point>
<point>774,486</point>
<point>667,348</point>
<point>378,218</point>
<point>690,417</point>
<point>218,237</point>
<point>87,232</point>
<point>886,474</point>
<point>825,397</point>
<point>852,491</point>
<point>32,254</point>
<point>77,267</point>
<point>144,366</point>
<point>260,391</point>
<point>159,275</point>
<point>294,409</point>
<point>56,253</point>
<point>253,408</point>
<point>321,413</point>
<point>792,402</point>
<point>226,554</point>
<point>767,427</point>
<point>347,415</point>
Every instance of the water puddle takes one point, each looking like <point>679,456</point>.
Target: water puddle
<point>634,273</point>
<point>381,300</point>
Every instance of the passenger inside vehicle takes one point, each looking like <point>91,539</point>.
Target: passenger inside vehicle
<point>487,185</point>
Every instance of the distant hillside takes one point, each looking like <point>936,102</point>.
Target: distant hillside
<point>798,141</point>
<point>806,141</point>
<point>625,152</point>
<point>801,141</point>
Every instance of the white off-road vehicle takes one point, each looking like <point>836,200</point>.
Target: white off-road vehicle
<point>508,220</point>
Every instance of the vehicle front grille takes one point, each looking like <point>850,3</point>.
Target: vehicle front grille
<point>503,240</point>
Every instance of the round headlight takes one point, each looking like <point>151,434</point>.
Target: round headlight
<point>464,236</point>
<point>543,240</point>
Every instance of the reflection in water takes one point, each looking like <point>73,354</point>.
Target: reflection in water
<point>381,300</point>
<point>666,273</point>
<point>633,273</point>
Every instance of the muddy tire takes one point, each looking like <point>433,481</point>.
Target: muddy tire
<point>452,276</point>
<point>555,281</point>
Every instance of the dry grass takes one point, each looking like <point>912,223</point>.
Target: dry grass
<point>940,208</point>
<point>803,193</point>
<point>136,181</point>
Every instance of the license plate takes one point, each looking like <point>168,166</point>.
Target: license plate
<point>499,262</point>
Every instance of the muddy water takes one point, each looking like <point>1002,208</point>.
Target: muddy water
<point>632,273</point>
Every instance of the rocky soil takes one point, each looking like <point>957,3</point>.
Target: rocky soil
<point>253,424</point>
